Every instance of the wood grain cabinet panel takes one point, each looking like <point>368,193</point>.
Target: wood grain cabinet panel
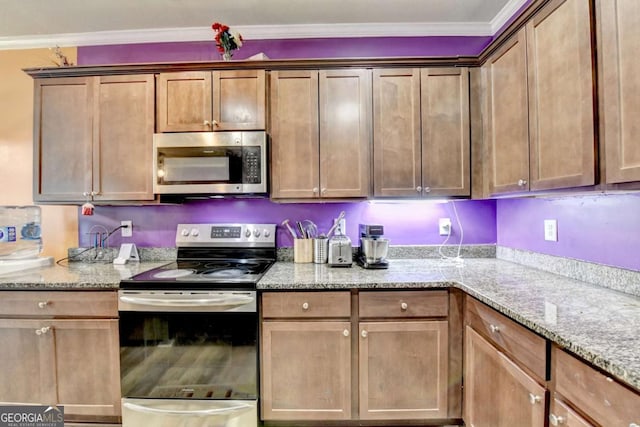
<point>199,101</point>
<point>561,99</point>
<point>93,138</point>
<point>320,135</point>
<point>563,416</point>
<point>421,132</point>
<point>58,356</point>
<point>403,370</point>
<point>618,38</point>
<point>497,393</point>
<point>306,305</point>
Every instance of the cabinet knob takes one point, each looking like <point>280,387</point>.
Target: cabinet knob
<point>86,194</point>
<point>494,328</point>
<point>364,333</point>
<point>324,190</point>
<point>556,420</point>
<point>94,193</point>
<point>315,190</point>
<point>419,189</point>
<point>533,399</point>
<point>207,123</point>
<point>634,425</point>
<point>345,332</point>
<point>215,123</point>
<point>522,182</point>
<point>305,306</point>
<point>43,304</point>
<point>427,189</point>
<point>404,306</point>
<point>43,330</point>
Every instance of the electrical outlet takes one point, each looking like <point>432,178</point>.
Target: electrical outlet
<point>127,228</point>
<point>444,226</point>
<point>551,230</point>
<point>341,229</point>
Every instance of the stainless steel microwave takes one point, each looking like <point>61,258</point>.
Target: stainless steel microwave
<point>215,163</point>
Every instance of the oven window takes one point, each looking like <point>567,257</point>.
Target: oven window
<point>188,355</point>
<point>200,165</point>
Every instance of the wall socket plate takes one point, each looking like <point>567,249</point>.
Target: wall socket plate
<point>444,226</point>
<point>128,231</point>
<point>551,230</point>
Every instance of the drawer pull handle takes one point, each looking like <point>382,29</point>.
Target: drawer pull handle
<point>364,333</point>
<point>533,399</point>
<point>43,304</point>
<point>494,328</point>
<point>556,420</point>
<point>404,306</point>
<point>345,332</point>
<point>305,306</point>
<point>43,330</point>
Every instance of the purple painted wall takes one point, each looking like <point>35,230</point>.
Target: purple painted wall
<point>363,47</point>
<point>408,223</point>
<point>600,228</point>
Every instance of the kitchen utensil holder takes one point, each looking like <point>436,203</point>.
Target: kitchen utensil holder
<point>303,250</point>
<point>320,250</point>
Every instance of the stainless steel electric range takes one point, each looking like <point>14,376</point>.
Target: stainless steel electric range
<point>188,330</point>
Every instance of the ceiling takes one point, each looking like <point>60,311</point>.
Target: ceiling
<point>46,23</point>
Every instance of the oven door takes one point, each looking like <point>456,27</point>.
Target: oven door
<point>210,163</point>
<point>193,413</point>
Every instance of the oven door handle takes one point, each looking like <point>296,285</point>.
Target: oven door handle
<point>201,412</point>
<point>226,301</point>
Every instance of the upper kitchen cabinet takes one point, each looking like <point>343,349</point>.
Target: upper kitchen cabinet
<point>421,132</point>
<point>618,37</point>
<point>196,101</point>
<point>93,138</point>
<point>320,134</point>
<point>539,111</point>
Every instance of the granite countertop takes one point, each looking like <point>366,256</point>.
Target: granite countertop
<point>595,323</point>
<point>75,276</point>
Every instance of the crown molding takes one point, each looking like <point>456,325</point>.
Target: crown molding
<point>250,32</point>
<point>505,14</point>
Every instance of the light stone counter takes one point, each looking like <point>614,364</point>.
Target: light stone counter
<point>598,324</point>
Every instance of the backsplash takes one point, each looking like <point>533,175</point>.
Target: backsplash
<point>405,223</point>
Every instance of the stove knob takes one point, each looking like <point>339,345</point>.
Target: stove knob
<point>185,232</point>
<point>256,232</point>
<point>247,233</point>
<point>266,233</point>
<point>195,232</point>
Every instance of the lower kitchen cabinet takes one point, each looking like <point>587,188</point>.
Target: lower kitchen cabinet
<point>561,415</point>
<point>395,367</point>
<point>56,357</point>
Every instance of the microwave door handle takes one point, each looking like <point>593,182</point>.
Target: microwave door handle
<point>201,412</point>
<point>201,302</point>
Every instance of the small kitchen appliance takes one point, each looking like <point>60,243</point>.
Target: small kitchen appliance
<point>373,247</point>
<point>189,330</point>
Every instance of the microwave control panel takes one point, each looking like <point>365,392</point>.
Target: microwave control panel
<point>251,170</point>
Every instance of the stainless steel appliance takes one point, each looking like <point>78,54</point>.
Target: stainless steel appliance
<point>373,247</point>
<point>340,253</point>
<point>210,163</point>
<point>188,330</point>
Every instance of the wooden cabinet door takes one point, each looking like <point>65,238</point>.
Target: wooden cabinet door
<point>63,123</point>
<point>561,108</point>
<point>306,370</point>
<point>295,145</point>
<point>28,366</point>
<point>87,357</point>
<point>345,123</point>
<point>397,155</point>
<point>497,393</point>
<point>184,101</point>
<point>446,134</point>
<point>123,138</point>
<point>403,370</point>
<point>506,124</point>
<point>619,36</point>
<point>561,415</point>
<point>239,100</point>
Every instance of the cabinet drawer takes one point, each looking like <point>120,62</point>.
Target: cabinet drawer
<point>602,398</point>
<point>404,304</point>
<point>58,304</point>
<point>306,304</point>
<point>518,342</point>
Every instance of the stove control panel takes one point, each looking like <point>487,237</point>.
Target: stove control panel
<point>230,235</point>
